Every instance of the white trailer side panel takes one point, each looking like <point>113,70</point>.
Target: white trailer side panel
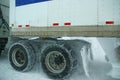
<point>109,10</point>
<point>77,12</point>
<point>34,14</point>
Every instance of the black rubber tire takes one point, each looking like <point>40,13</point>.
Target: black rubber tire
<point>29,56</point>
<point>69,62</point>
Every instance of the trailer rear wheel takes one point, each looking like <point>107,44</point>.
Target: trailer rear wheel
<point>21,56</point>
<point>57,62</point>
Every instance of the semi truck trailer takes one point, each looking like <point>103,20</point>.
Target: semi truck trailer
<point>37,27</point>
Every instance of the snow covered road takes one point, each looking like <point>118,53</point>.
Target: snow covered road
<point>98,71</point>
<point>8,73</point>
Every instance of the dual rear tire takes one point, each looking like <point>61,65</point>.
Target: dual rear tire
<point>57,62</point>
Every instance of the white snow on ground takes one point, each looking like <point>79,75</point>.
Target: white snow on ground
<point>8,73</point>
<point>97,70</point>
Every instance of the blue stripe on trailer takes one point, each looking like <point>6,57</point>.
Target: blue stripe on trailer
<point>25,2</point>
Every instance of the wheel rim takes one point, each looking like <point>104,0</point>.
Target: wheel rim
<point>18,57</point>
<point>55,62</point>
